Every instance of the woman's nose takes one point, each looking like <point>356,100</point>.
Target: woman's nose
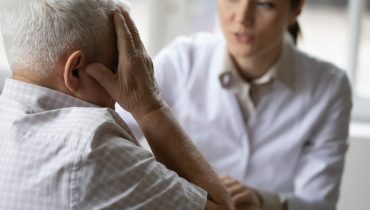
<point>245,13</point>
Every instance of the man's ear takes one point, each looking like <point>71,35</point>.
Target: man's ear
<point>72,71</point>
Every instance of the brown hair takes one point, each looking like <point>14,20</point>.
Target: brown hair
<point>295,29</point>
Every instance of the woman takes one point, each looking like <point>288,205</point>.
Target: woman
<point>271,120</point>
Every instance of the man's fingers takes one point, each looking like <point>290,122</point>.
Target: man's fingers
<point>124,38</point>
<point>133,30</point>
<point>103,76</point>
<point>233,190</point>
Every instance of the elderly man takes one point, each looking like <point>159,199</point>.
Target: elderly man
<point>61,144</point>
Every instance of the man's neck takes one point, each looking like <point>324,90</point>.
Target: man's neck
<point>40,80</point>
<point>27,79</point>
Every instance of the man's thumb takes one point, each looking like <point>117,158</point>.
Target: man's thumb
<point>103,76</point>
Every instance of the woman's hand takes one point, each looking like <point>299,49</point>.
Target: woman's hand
<point>243,197</point>
<point>133,86</point>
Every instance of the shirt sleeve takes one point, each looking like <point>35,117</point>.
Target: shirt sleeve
<point>115,173</point>
<point>321,166</point>
<point>271,201</point>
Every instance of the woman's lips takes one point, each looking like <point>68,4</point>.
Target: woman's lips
<point>243,37</point>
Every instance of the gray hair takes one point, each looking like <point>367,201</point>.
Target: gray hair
<point>36,33</point>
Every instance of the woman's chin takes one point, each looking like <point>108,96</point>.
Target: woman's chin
<point>242,52</point>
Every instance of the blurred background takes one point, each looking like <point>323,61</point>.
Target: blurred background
<point>334,30</point>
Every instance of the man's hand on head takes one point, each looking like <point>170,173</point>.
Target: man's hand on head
<point>133,86</point>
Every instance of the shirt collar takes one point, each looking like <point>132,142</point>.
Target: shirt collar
<point>231,79</point>
<point>283,70</point>
<point>39,97</point>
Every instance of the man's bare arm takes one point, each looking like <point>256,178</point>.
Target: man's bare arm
<point>134,88</point>
<point>172,147</point>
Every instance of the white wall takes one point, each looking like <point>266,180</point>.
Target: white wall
<point>355,190</point>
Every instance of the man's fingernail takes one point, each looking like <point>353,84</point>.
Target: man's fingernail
<point>119,8</point>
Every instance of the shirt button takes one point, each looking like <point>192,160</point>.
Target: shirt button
<point>226,80</point>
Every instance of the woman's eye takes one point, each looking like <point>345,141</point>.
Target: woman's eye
<point>265,5</point>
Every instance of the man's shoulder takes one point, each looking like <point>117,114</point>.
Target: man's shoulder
<point>87,120</point>
<point>75,126</point>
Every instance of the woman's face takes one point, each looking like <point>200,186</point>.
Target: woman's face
<point>255,27</point>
